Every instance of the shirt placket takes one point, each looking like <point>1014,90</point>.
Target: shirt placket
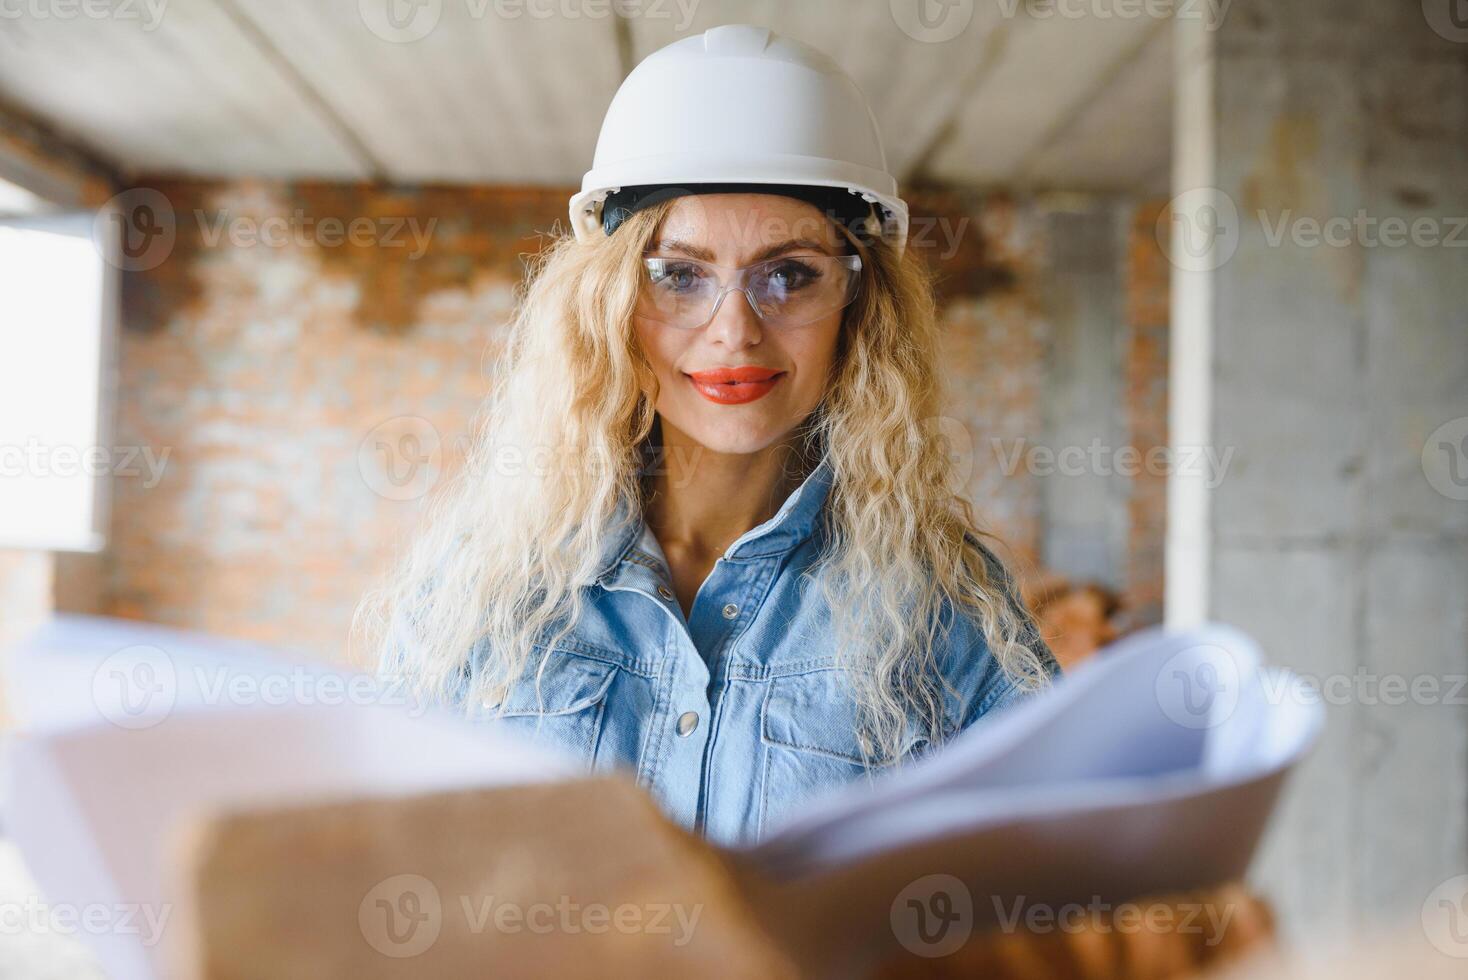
<point>678,760</point>
<point>672,758</point>
<point>722,610</point>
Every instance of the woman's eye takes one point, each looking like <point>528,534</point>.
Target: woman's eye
<point>677,277</point>
<point>790,275</point>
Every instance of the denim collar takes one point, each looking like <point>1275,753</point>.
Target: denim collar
<point>630,539</point>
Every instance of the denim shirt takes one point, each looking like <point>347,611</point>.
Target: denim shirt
<point>734,716</point>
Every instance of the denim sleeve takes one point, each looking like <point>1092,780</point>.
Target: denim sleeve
<point>394,652</point>
<point>396,660</point>
<point>993,689</point>
<point>394,657</point>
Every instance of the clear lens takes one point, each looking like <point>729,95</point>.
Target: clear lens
<point>784,292</point>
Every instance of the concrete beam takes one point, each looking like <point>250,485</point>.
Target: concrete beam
<point>37,158</point>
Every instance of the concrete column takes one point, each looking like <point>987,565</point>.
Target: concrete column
<point>1321,334</point>
<point>1085,506</point>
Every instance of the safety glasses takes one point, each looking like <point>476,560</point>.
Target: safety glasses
<point>784,292</point>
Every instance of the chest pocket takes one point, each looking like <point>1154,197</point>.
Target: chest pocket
<point>808,730</point>
<point>566,711</point>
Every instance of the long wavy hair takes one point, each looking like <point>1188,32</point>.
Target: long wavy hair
<point>506,551</point>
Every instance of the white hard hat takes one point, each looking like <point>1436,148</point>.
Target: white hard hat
<point>739,104</point>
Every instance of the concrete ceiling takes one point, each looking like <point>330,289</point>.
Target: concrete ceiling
<point>1021,95</point>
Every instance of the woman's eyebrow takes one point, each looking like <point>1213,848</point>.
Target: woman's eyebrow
<point>705,255</point>
<point>687,248</point>
<point>793,245</point>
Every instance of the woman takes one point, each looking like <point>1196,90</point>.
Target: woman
<point>706,534</point>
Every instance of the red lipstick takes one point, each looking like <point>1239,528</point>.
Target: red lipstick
<point>734,385</point>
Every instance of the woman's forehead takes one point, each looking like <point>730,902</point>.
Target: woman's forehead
<point>730,228</point>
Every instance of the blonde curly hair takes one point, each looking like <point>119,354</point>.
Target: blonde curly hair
<point>503,557</point>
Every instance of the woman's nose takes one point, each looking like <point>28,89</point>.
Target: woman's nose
<point>735,324</point>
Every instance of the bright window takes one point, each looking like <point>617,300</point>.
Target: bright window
<point>55,322</point>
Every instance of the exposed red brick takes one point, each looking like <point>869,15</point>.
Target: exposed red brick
<point>261,370</point>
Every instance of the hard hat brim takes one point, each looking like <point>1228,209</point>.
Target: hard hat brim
<point>679,169</point>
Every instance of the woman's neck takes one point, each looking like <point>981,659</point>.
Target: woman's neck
<point>700,501</point>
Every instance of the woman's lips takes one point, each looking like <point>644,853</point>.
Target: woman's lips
<point>734,385</point>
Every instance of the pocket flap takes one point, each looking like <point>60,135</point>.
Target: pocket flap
<point>567,684</point>
<point>812,712</point>
<point>815,712</point>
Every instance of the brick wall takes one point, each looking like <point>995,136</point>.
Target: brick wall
<point>267,350</point>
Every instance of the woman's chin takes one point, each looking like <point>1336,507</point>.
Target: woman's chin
<point>739,442</point>
<point>753,432</point>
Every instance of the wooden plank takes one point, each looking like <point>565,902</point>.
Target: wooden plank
<point>1048,68</point>
<point>1121,139</point>
<point>483,96</point>
<point>185,93</point>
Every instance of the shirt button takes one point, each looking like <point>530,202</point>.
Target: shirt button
<point>687,722</point>
<point>730,611</point>
<point>665,592</point>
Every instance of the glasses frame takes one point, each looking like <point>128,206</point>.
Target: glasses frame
<point>740,284</point>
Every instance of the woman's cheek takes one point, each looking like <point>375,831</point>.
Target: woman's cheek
<point>661,355</point>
